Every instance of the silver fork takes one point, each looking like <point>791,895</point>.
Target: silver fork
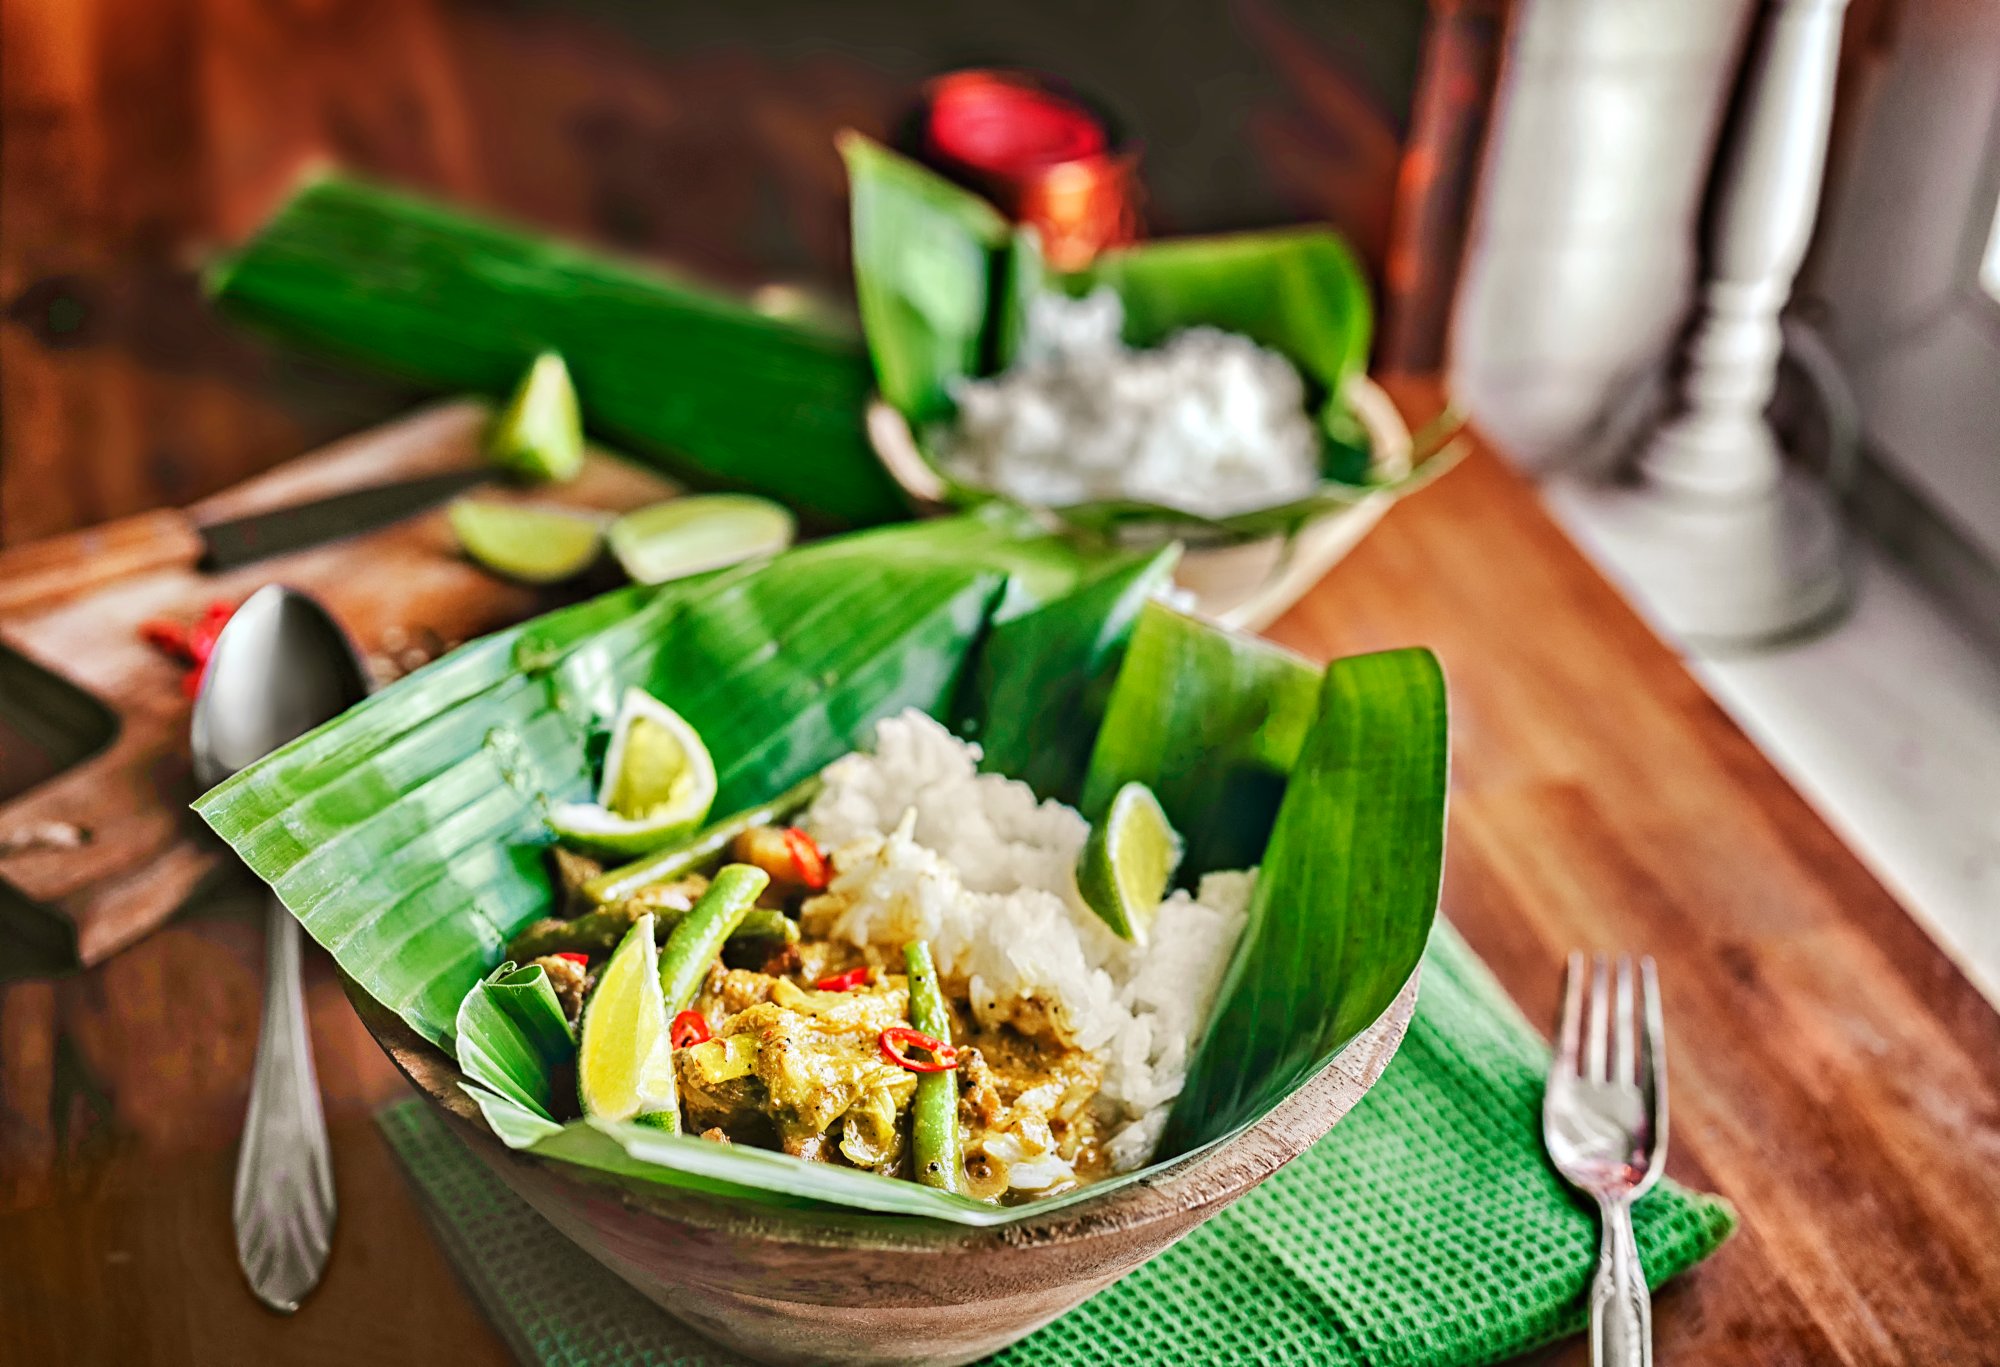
<point>1604,1122</point>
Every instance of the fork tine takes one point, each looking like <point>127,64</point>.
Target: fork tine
<point>1569,1031</point>
<point>1624,1031</point>
<point>1600,1024</point>
<point>1653,1060</point>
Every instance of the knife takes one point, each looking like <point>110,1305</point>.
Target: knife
<point>240,540</point>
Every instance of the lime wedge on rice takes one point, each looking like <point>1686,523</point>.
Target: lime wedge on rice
<point>657,786</point>
<point>533,545</point>
<point>1128,861</point>
<point>686,536</point>
<point>539,434</point>
<point>625,1062</point>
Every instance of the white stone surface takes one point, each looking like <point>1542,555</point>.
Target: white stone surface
<point>1890,726</point>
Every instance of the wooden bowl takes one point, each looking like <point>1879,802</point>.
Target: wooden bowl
<point>789,1286</point>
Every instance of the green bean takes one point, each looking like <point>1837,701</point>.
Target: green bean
<point>599,932</point>
<point>699,937</point>
<point>709,843</point>
<point>934,1137</point>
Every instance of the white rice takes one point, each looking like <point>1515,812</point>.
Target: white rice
<point>926,847</point>
<point>1209,422</point>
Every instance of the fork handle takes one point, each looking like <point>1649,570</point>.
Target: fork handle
<point>1621,1308</point>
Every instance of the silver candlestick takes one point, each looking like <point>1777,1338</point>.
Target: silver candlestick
<point>1731,545</point>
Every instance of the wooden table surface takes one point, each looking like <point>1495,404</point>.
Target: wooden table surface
<point>1833,1074</point>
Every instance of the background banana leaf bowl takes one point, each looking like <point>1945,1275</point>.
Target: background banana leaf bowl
<point>408,837</point>
<point>943,281</point>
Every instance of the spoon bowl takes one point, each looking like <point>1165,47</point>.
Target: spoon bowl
<point>280,668</point>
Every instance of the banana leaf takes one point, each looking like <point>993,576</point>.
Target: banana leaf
<point>407,835</point>
<point>675,373</point>
<point>1212,722</point>
<point>943,286</point>
<point>513,1036</point>
<point>1297,291</point>
<point>1043,679</point>
<point>928,310</point>
<point>1360,834</point>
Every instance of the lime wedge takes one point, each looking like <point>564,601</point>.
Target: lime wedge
<point>1128,861</point>
<point>625,1062</point>
<point>657,786</point>
<point>685,536</point>
<point>539,434</point>
<point>534,545</point>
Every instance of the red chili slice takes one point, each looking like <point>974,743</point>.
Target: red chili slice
<point>806,858</point>
<point>848,981</point>
<point>574,956</point>
<point>191,644</point>
<point>689,1027</point>
<point>169,638</point>
<point>943,1057</point>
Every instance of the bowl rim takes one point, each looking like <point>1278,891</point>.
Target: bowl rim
<point>1199,1183</point>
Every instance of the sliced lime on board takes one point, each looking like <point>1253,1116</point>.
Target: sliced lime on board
<point>534,545</point>
<point>686,536</point>
<point>1128,861</point>
<point>658,783</point>
<point>625,1062</point>
<point>539,434</point>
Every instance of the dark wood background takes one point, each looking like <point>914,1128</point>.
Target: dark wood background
<point>138,136</point>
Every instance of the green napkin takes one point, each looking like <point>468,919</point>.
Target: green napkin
<point>1427,1230</point>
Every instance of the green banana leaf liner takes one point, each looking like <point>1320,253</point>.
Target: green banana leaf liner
<point>943,282</point>
<point>407,835</point>
<point>679,374</point>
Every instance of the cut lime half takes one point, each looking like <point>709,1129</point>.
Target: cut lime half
<point>658,783</point>
<point>534,545</point>
<point>625,1062</point>
<point>686,536</point>
<point>539,434</point>
<point>1128,861</point>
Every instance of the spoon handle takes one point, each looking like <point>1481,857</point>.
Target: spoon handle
<point>284,1207</point>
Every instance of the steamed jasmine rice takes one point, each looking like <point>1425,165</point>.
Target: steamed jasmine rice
<point>924,847</point>
<point>1209,422</point>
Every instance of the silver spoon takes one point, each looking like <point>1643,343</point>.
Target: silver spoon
<point>280,667</point>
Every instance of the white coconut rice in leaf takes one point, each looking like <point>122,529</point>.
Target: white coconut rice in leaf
<point>926,847</point>
<point>1208,422</point>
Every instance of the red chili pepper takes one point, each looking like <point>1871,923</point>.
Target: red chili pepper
<point>201,637</point>
<point>169,638</point>
<point>191,644</point>
<point>689,1027</point>
<point>896,1039</point>
<point>848,981</point>
<point>574,956</point>
<point>806,858</point>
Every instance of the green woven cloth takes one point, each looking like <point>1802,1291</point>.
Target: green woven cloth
<point>1426,1230</point>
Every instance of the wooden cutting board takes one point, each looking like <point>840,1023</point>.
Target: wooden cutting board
<point>98,854</point>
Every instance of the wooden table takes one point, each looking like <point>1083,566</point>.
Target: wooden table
<point>1833,1074</point>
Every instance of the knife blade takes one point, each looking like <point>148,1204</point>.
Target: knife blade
<point>256,536</point>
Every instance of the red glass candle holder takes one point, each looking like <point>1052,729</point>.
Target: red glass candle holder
<point>1042,155</point>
